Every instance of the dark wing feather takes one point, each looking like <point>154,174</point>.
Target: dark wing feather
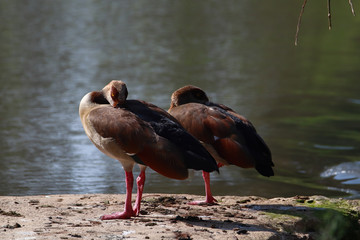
<point>256,145</point>
<point>167,127</point>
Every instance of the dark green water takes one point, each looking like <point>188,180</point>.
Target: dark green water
<point>304,101</point>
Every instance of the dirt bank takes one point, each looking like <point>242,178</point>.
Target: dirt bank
<point>166,216</point>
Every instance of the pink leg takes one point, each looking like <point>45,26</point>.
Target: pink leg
<point>140,181</point>
<point>128,211</point>
<point>209,200</point>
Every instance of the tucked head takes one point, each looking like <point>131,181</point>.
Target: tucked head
<point>115,92</point>
<point>188,94</point>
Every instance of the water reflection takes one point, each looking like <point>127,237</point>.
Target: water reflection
<point>303,101</point>
<point>348,173</point>
<point>334,147</point>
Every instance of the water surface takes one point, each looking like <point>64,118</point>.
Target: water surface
<point>304,101</point>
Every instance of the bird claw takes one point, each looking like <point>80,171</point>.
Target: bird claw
<point>136,211</point>
<point>208,202</point>
<point>118,215</point>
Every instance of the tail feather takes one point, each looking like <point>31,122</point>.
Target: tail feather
<point>261,154</point>
<point>257,147</point>
<point>255,144</point>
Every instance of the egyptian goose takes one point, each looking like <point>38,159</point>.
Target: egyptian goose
<point>134,131</point>
<point>229,137</point>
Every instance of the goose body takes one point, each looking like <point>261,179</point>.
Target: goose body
<point>229,137</point>
<point>134,131</point>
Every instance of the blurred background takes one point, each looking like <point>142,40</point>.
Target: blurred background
<point>304,100</point>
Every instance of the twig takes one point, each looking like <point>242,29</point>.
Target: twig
<point>299,22</point>
<point>329,13</point>
<point>329,17</point>
<point>352,8</point>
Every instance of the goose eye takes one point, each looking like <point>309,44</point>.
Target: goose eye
<point>114,92</point>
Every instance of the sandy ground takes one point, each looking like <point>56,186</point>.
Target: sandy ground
<point>164,216</point>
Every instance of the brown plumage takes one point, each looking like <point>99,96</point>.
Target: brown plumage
<point>134,131</point>
<point>229,137</point>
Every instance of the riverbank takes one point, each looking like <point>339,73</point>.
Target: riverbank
<point>168,216</point>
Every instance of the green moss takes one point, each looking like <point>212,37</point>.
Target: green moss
<point>330,219</point>
<point>281,215</point>
<point>338,218</point>
<point>340,205</point>
<point>282,221</point>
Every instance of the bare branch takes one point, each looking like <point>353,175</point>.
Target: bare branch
<point>352,7</point>
<point>329,17</point>
<point>299,22</point>
<point>329,13</point>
